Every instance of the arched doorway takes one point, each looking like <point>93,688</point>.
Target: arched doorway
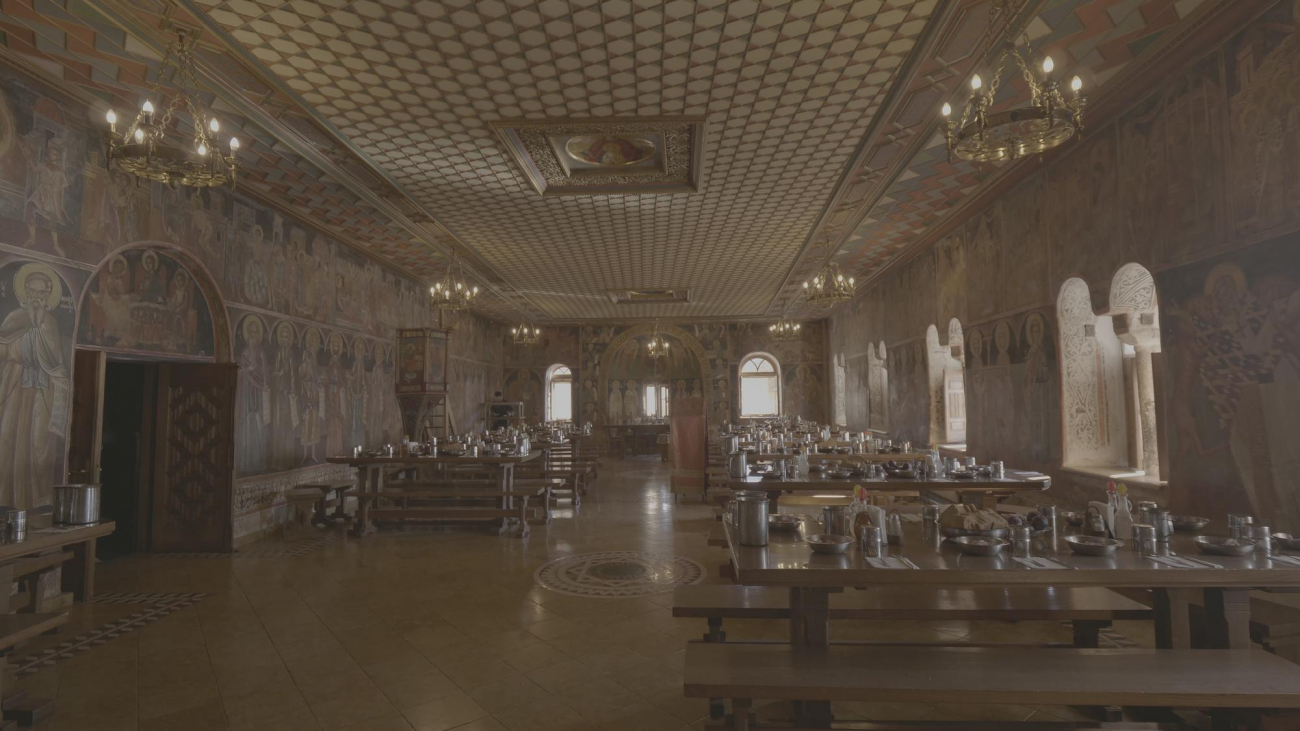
<point>627,379</point>
<point>153,349</point>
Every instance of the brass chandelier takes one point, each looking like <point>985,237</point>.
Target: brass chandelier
<point>829,287</point>
<point>657,347</point>
<point>784,330</point>
<point>526,335</point>
<point>143,148</point>
<point>983,135</point>
<point>454,293</point>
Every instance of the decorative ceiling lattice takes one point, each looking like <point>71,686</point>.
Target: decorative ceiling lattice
<point>905,182</point>
<point>788,89</point>
<point>372,119</point>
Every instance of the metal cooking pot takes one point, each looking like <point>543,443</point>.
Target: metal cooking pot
<point>76,504</point>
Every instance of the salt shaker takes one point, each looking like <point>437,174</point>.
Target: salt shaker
<point>869,539</point>
<point>894,528</point>
<point>1022,541</point>
<point>1263,537</point>
<point>1144,538</point>
<point>1164,525</point>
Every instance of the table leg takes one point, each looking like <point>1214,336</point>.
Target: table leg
<point>322,518</point>
<point>340,512</point>
<point>1173,619</point>
<point>989,501</point>
<point>79,573</point>
<point>503,484</point>
<point>810,630</point>
<point>362,526</point>
<point>1227,618</point>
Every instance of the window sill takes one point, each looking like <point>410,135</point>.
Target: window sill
<point>1118,474</point>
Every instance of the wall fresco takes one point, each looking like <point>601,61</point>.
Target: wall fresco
<point>36,320</point>
<point>145,300</point>
<point>166,265</point>
<point>1205,163</point>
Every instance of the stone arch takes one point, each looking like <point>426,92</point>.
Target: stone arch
<point>138,301</point>
<point>669,331</point>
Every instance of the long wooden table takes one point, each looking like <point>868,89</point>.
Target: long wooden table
<point>80,540</point>
<point>370,476</point>
<point>988,488</point>
<point>788,562</point>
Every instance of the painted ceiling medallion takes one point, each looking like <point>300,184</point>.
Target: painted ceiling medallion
<point>609,151</point>
<point>606,156</point>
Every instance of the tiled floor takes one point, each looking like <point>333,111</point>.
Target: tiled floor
<point>434,630</point>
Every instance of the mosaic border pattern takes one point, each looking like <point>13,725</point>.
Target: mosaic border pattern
<point>580,575</point>
<point>156,606</point>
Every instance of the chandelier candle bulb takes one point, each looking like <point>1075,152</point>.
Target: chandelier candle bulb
<point>214,125</point>
<point>947,109</point>
<point>234,144</point>
<point>976,82</point>
<point>1048,65</point>
<point>112,120</point>
<point>1076,84</point>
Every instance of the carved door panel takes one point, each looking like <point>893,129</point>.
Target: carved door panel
<point>194,460</point>
<point>84,436</point>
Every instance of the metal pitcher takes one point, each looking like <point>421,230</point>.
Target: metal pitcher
<point>751,511</point>
<point>835,520</point>
<point>738,466</point>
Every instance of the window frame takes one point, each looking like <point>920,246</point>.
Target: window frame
<point>558,373</point>
<point>759,375</point>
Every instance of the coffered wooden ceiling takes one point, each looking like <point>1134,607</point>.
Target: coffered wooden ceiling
<point>372,119</point>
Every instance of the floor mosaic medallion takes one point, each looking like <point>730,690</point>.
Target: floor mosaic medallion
<point>617,574</point>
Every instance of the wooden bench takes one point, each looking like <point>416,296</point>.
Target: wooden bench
<point>1219,679</point>
<point>1089,609</point>
<point>16,629</point>
<point>323,516</point>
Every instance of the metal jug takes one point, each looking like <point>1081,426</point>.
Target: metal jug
<point>738,466</point>
<point>751,509</point>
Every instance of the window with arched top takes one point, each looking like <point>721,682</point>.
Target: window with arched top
<point>760,386</point>
<point>559,393</point>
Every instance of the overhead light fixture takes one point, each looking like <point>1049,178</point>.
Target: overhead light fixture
<point>143,149</point>
<point>1047,121</point>
<point>454,293</point>
<point>657,347</point>
<point>829,287</point>
<point>784,330</point>
<point>525,334</point>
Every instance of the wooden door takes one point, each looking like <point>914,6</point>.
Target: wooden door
<point>955,405</point>
<point>87,429</point>
<point>194,458</point>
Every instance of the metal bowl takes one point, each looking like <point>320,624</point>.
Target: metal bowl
<point>840,474</point>
<point>1093,545</point>
<point>902,474</point>
<point>817,467</point>
<point>844,450</point>
<point>959,532</point>
<point>1189,523</point>
<point>1224,546</point>
<point>1287,541</point>
<point>828,543</point>
<point>1071,517</point>
<point>979,545</point>
<point>783,521</point>
<point>963,475</point>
